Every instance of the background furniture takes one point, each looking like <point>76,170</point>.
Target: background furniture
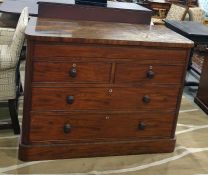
<point>176,12</point>
<point>8,20</point>
<point>157,5</point>
<point>202,94</point>
<point>101,3</point>
<point>196,14</point>
<point>11,43</point>
<point>193,30</point>
<point>198,33</point>
<point>191,3</point>
<point>120,12</point>
<point>16,6</point>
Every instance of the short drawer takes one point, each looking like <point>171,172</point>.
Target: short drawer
<point>141,73</point>
<point>77,72</point>
<point>118,98</point>
<point>100,126</point>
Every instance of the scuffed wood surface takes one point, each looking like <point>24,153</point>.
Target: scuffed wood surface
<point>104,33</point>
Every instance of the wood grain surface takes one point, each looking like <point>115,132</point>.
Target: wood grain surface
<point>122,97</point>
<point>61,151</point>
<point>60,51</point>
<point>136,72</point>
<point>44,98</point>
<point>91,72</point>
<point>104,33</point>
<point>92,126</point>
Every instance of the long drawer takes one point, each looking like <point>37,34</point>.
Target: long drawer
<point>100,126</point>
<point>56,51</point>
<point>118,98</point>
<point>75,72</point>
<point>151,73</point>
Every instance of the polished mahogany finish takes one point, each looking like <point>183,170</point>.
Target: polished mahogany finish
<point>92,149</point>
<point>79,127</point>
<point>99,89</point>
<point>152,73</point>
<point>107,12</point>
<point>76,72</point>
<point>104,98</point>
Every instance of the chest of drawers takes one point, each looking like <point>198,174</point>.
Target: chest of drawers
<point>114,92</point>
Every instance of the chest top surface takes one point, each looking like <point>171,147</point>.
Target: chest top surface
<point>92,32</point>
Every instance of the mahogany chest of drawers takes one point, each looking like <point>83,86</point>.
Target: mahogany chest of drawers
<point>100,89</point>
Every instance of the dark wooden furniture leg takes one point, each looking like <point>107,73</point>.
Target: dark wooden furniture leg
<point>14,115</point>
<point>5,124</point>
<point>190,67</point>
<point>201,98</point>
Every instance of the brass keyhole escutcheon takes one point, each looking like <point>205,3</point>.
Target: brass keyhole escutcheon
<point>74,65</point>
<point>107,117</point>
<point>110,91</point>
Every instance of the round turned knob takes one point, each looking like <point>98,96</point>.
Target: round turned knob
<point>141,126</point>
<point>146,99</point>
<point>70,99</point>
<point>67,128</point>
<point>150,74</point>
<point>73,72</point>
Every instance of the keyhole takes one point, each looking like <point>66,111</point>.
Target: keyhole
<point>107,117</point>
<point>74,65</point>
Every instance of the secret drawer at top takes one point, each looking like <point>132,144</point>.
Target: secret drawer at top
<point>71,72</point>
<point>65,51</point>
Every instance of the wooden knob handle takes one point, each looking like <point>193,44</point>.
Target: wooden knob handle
<point>70,99</point>
<point>141,126</point>
<point>150,74</point>
<point>73,72</point>
<point>146,99</point>
<point>67,128</point>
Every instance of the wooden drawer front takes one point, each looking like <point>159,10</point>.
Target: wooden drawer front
<point>71,72</point>
<point>97,126</point>
<point>141,73</point>
<point>92,51</point>
<point>104,98</point>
